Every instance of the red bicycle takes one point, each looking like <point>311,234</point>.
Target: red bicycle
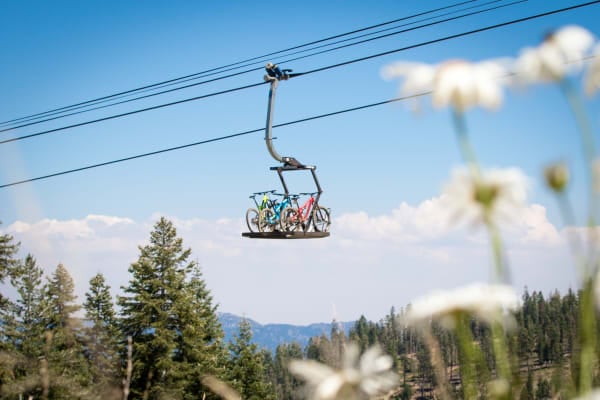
<point>306,217</point>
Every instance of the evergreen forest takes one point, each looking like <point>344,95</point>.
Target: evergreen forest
<point>161,339</point>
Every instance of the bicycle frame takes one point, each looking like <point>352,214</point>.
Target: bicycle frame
<point>304,211</point>
<point>278,208</point>
<point>266,200</point>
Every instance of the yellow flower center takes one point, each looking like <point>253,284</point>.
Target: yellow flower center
<point>485,194</point>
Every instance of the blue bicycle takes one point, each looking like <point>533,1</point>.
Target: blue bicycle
<point>269,219</point>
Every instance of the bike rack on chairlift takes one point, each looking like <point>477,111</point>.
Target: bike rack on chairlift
<point>289,164</point>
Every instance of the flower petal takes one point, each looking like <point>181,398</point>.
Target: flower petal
<point>311,371</point>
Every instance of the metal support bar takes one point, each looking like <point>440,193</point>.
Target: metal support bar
<point>269,128</point>
<point>312,169</point>
<point>319,190</point>
<point>285,189</point>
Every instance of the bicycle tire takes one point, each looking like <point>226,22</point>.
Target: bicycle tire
<point>264,220</point>
<point>252,219</point>
<point>321,219</point>
<point>290,221</point>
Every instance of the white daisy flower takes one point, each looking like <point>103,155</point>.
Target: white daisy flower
<point>481,300</point>
<point>490,196</point>
<point>455,83</point>
<point>592,77</point>
<point>561,52</point>
<point>357,379</point>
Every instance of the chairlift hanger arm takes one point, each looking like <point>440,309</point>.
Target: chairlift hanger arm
<point>274,75</point>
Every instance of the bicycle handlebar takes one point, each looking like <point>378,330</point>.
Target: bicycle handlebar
<point>253,195</point>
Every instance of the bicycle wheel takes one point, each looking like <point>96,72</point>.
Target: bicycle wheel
<point>252,219</point>
<point>266,220</point>
<point>321,219</point>
<point>290,220</point>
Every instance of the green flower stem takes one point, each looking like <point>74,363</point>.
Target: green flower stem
<point>500,273</point>
<point>498,337</point>
<point>587,139</point>
<point>578,108</point>
<point>501,352</point>
<point>573,239</point>
<point>467,356</point>
<point>466,150</point>
<point>587,317</point>
<point>468,155</point>
<point>587,338</point>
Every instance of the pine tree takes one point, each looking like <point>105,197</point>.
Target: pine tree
<point>425,373</point>
<point>8,262</point>
<point>26,334</point>
<point>527,391</point>
<point>359,333</point>
<point>8,250</point>
<point>286,385</point>
<point>68,369</point>
<point>543,391</point>
<point>103,336</point>
<point>334,352</point>
<point>176,335</point>
<point>201,350</point>
<point>315,349</point>
<point>406,393</point>
<point>246,372</point>
<point>28,283</point>
<point>391,337</point>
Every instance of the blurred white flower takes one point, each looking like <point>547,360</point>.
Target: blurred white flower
<point>357,379</point>
<point>593,395</point>
<point>491,196</point>
<point>592,77</point>
<point>455,83</point>
<point>561,52</point>
<point>482,300</point>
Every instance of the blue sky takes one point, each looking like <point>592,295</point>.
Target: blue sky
<point>371,161</point>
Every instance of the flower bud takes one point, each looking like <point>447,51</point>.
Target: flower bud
<point>557,177</point>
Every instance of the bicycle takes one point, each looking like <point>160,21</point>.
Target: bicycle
<point>306,217</point>
<point>252,214</point>
<point>269,219</point>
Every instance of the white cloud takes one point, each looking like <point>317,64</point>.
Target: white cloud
<point>430,221</point>
<point>405,224</point>
<point>534,227</point>
<point>367,265</point>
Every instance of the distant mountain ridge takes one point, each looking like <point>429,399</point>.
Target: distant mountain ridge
<point>269,336</point>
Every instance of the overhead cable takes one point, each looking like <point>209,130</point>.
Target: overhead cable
<point>458,35</point>
<point>202,142</point>
<point>174,80</point>
<point>129,113</point>
<point>89,108</point>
